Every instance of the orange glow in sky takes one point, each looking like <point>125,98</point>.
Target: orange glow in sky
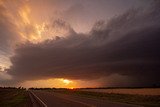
<point>66,81</point>
<point>58,82</point>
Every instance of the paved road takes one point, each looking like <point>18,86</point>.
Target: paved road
<point>52,99</point>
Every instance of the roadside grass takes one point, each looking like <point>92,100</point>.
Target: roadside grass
<point>14,98</point>
<point>144,100</point>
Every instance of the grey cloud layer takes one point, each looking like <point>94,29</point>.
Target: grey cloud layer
<point>8,35</point>
<point>128,45</point>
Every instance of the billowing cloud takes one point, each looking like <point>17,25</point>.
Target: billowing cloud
<point>126,49</point>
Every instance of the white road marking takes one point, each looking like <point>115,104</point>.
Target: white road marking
<point>39,99</point>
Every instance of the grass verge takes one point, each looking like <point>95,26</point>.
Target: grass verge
<point>14,98</point>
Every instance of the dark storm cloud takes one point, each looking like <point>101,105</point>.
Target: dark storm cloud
<point>128,45</point>
<point>60,25</point>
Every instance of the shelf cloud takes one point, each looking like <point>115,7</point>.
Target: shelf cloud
<point>127,45</point>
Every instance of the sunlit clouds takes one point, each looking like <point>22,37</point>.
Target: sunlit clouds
<point>30,27</point>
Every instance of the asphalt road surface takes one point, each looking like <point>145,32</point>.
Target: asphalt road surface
<point>52,99</point>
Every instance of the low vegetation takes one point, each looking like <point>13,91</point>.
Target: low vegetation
<point>139,91</point>
<point>144,100</point>
<point>14,97</point>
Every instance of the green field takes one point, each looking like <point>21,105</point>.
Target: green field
<point>13,97</point>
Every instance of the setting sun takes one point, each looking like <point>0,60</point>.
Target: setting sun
<point>71,88</point>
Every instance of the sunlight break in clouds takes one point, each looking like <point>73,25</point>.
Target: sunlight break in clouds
<point>59,83</point>
<point>66,81</point>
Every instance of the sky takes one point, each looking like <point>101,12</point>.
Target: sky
<point>79,43</point>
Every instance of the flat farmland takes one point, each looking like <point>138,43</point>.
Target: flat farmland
<point>145,97</point>
<point>14,98</point>
<point>140,91</point>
